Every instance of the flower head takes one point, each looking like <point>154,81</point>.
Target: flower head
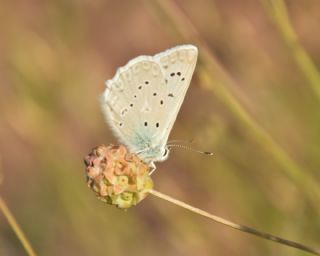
<point>117,176</point>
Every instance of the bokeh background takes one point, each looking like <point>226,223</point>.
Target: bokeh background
<point>254,101</point>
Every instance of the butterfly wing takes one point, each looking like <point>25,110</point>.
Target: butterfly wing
<point>142,101</point>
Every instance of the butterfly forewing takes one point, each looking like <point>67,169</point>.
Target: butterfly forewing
<point>178,65</point>
<point>142,101</point>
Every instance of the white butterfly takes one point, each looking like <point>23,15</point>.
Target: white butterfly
<point>142,100</point>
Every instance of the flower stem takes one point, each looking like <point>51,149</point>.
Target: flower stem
<point>234,225</point>
<point>15,227</point>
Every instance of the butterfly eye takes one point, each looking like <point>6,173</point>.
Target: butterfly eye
<point>165,152</point>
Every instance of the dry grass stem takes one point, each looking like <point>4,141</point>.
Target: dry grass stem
<point>16,228</point>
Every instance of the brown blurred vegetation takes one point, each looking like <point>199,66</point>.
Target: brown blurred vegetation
<point>54,59</point>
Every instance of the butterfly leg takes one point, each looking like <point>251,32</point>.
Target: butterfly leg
<point>152,168</point>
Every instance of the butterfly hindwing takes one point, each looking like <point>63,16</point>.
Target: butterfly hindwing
<point>127,102</point>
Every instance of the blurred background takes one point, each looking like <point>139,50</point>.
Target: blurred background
<point>254,101</point>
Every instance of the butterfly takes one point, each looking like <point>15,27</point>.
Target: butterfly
<point>141,102</point>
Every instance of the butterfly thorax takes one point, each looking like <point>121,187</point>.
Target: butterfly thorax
<point>154,154</point>
<point>148,151</point>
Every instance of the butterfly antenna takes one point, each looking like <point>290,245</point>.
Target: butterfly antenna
<point>172,142</point>
<point>189,148</point>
